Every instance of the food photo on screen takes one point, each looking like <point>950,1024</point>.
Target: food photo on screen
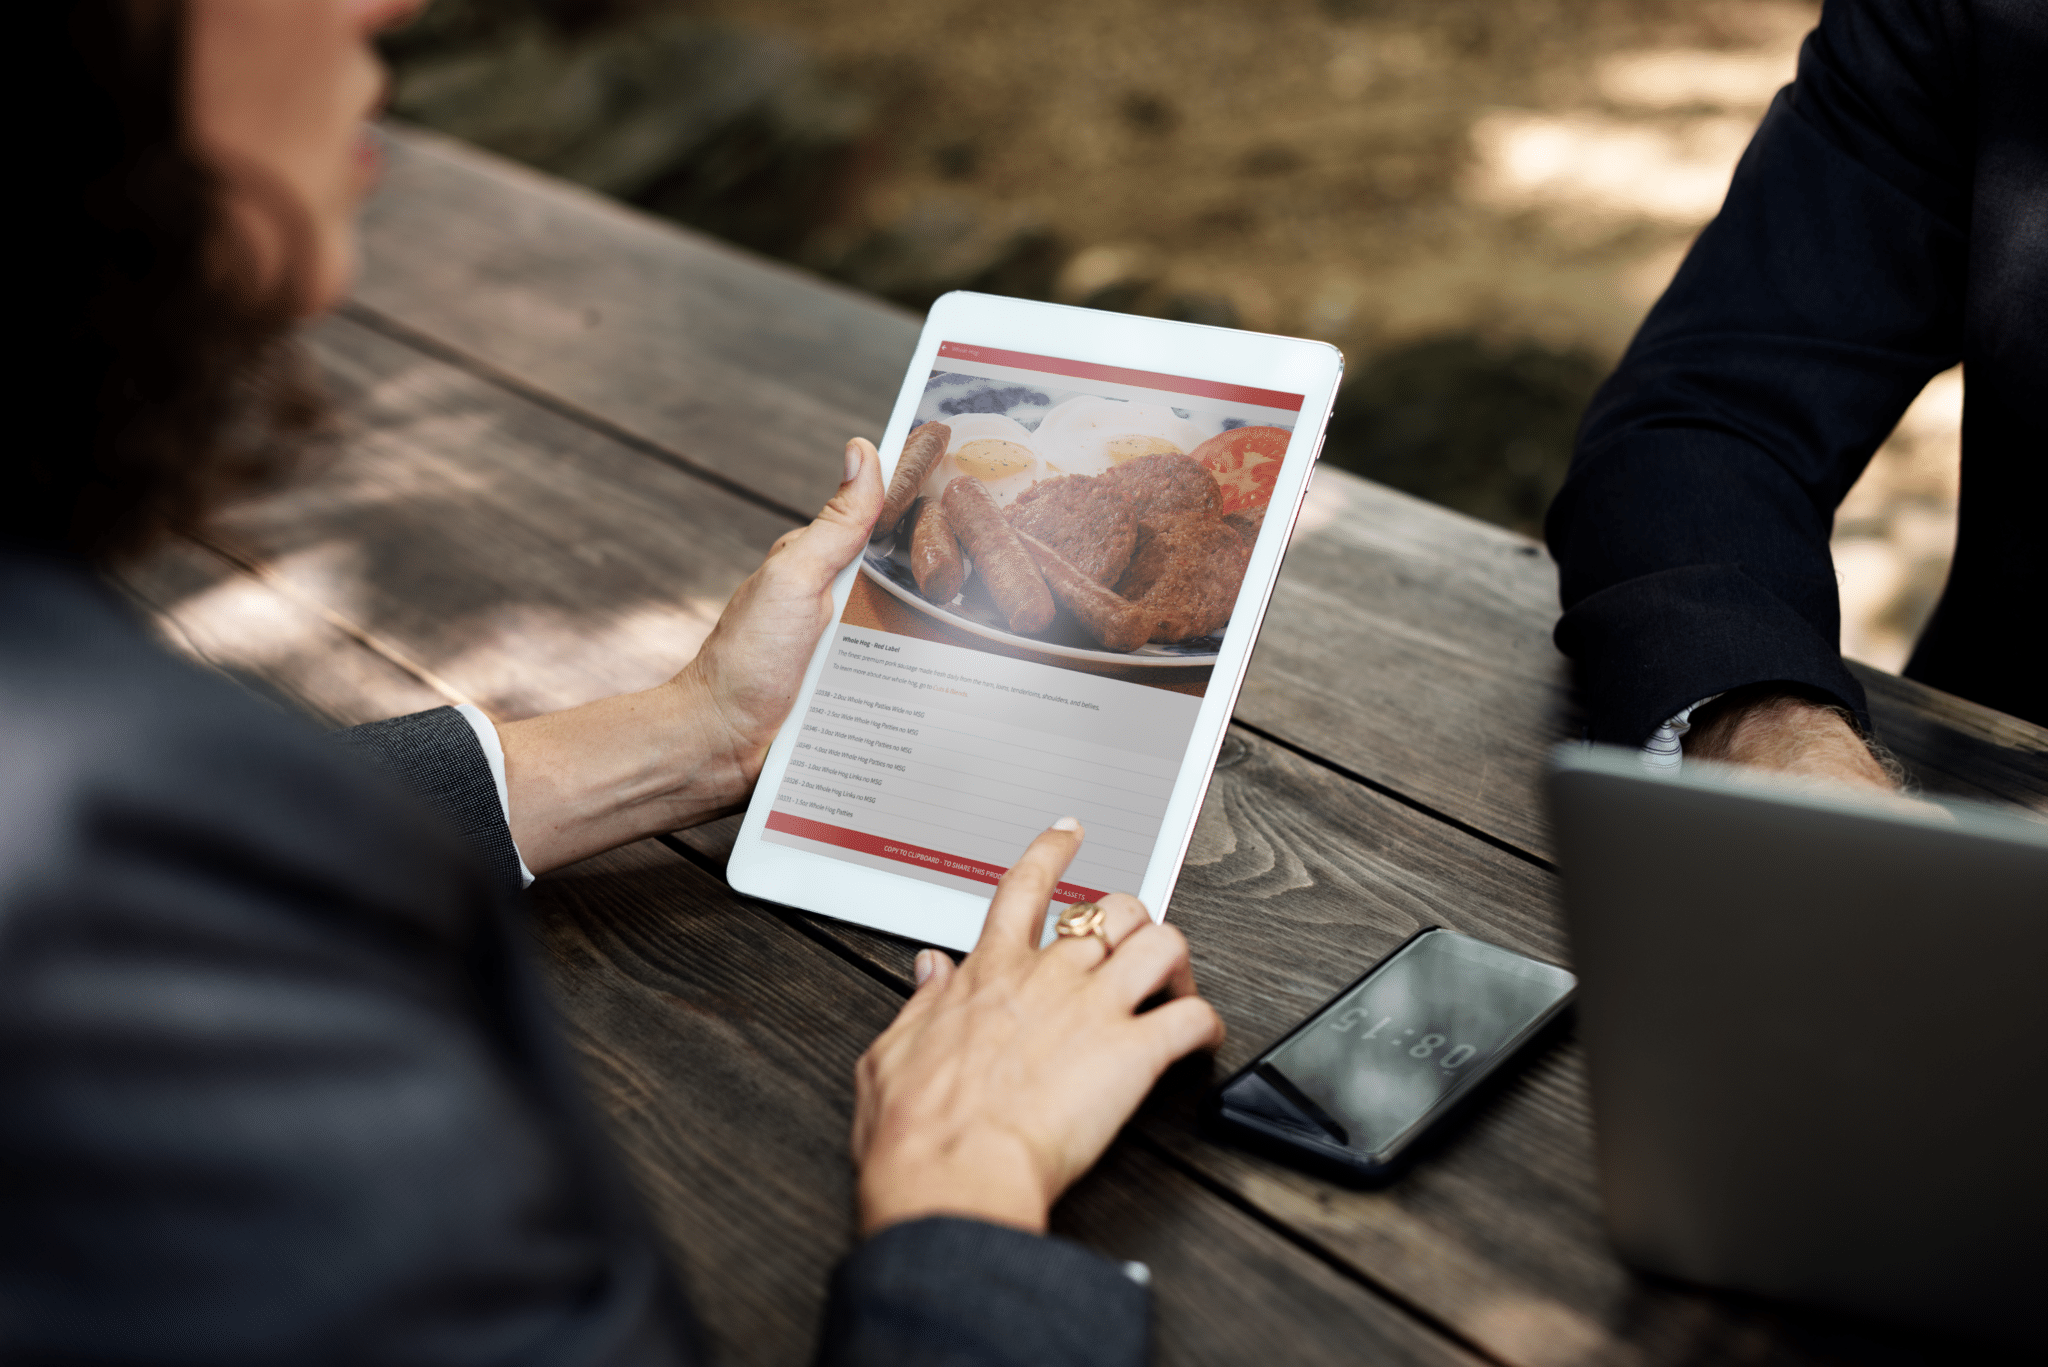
<point>1110,524</point>
<point>1036,621</point>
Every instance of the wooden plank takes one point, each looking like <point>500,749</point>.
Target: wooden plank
<point>323,540</point>
<point>1411,645</point>
<point>277,646</point>
<point>1406,643</point>
<point>1296,881</point>
<point>1448,687</point>
<point>1297,878</point>
<point>1228,1290</point>
<point>1954,747</point>
<point>720,1046</point>
<point>748,368</point>
<point>523,559</point>
<point>720,1054</point>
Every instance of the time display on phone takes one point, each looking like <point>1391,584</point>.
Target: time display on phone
<point>1377,1061</point>
<point>1430,1046</point>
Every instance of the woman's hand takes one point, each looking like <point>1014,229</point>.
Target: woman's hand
<point>1004,1079</point>
<point>747,675</point>
<point>595,777</point>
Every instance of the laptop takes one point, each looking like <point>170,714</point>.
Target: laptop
<point>1818,1036</point>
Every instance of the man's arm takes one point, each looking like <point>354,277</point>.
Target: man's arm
<point>1692,533</point>
<point>1769,728</point>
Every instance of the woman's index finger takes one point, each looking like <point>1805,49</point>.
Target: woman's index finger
<point>1017,913</point>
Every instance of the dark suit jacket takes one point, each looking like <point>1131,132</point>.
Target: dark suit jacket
<point>277,1083</point>
<point>1889,219</point>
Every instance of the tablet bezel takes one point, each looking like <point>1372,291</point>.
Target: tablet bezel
<point>951,917</point>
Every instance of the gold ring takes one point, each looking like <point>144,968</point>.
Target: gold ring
<point>1082,920</point>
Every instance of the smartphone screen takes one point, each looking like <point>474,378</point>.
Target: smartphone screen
<point>1400,1045</point>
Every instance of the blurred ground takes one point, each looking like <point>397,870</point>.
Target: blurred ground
<point>1476,199</point>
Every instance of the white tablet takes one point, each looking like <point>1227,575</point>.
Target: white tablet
<point>1093,509</point>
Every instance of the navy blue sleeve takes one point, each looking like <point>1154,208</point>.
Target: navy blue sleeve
<point>1691,534</point>
<point>962,1293</point>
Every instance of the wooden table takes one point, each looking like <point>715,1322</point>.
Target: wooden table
<point>571,430</point>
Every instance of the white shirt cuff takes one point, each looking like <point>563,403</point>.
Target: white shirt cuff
<point>494,751</point>
<point>1661,751</point>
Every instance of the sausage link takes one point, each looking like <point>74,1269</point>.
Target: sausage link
<point>920,453</point>
<point>935,553</point>
<point>1113,620</point>
<point>999,557</point>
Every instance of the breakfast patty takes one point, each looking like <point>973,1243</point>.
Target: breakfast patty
<point>1186,576</point>
<point>1164,487</point>
<point>1086,520</point>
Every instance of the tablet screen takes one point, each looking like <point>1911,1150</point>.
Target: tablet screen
<point>959,712</point>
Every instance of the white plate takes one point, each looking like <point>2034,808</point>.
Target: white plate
<point>881,566</point>
<point>1075,436</point>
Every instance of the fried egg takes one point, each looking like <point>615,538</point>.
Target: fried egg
<point>993,449</point>
<point>1088,435</point>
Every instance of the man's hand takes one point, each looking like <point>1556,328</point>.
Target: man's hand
<point>1789,735</point>
<point>1003,1080</point>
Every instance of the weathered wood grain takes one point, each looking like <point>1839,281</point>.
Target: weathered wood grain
<point>754,370</point>
<point>471,541</point>
<point>1297,881</point>
<point>1228,1290</point>
<point>280,647</point>
<point>1954,747</point>
<point>1411,645</point>
<point>1297,878</point>
<point>1406,643</point>
<point>720,1046</point>
<point>1448,688</point>
<point>729,1101</point>
<point>521,558</point>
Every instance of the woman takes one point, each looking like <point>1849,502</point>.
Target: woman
<point>274,1082</point>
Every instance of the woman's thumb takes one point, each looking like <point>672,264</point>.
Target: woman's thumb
<point>840,531</point>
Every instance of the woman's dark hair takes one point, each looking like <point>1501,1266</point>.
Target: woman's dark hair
<point>153,384</point>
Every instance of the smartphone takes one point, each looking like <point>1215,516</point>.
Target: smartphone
<point>1354,1088</point>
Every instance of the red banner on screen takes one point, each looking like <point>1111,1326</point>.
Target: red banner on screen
<point>912,854</point>
<point>1144,379</point>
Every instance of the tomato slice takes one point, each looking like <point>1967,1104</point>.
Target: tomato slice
<point>1246,462</point>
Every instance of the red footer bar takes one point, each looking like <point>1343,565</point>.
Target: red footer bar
<point>912,854</point>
